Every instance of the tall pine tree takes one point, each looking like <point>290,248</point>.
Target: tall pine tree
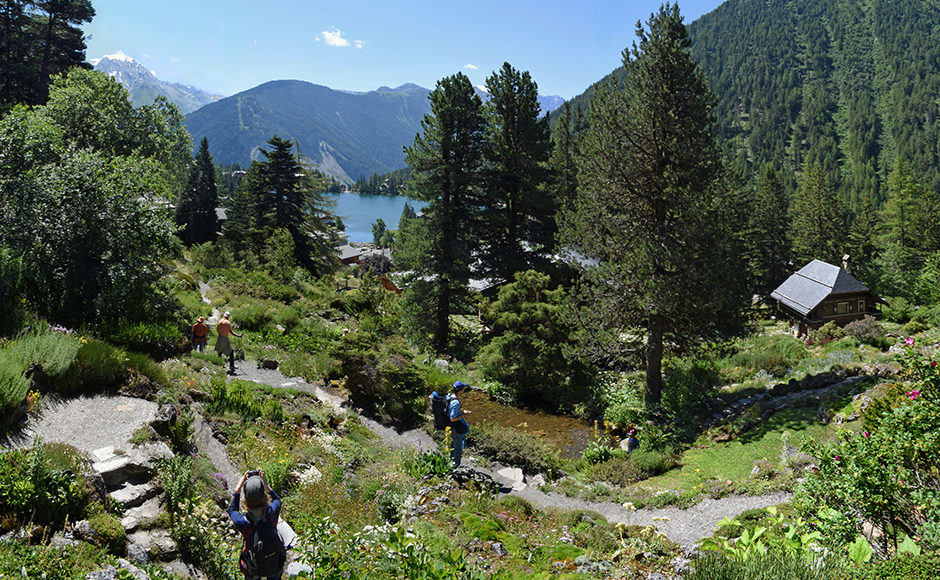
<point>195,212</point>
<point>446,161</point>
<point>819,225</point>
<point>648,211</point>
<point>770,234</point>
<point>518,221</point>
<point>280,193</point>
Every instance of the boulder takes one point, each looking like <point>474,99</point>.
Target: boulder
<point>166,416</point>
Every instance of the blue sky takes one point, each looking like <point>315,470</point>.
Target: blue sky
<point>229,46</point>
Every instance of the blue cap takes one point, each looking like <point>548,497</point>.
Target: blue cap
<point>459,385</point>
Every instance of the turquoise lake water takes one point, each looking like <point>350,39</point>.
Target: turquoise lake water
<point>359,212</point>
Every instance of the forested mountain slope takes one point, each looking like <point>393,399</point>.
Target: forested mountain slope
<point>850,84</point>
<point>347,135</point>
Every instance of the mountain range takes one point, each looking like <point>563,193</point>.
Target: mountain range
<point>145,87</point>
<point>347,135</point>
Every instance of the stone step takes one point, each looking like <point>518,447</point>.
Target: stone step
<point>118,466</point>
<point>131,496</point>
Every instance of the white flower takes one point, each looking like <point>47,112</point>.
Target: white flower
<point>629,506</point>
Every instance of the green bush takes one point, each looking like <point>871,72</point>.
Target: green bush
<point>827,333</point>
<point>97,366</point>
<point>159,340</point>
<point>774,354</point>
<point>868,331</point>
<point>513,447</point>
<point>653,463</point>
<point>898,310</point>
<point>55,350</point>
<point>689,381</point>
<point>111,531</point>
<point>902,567</point>
<point>381,377</point>
<point>915,327</point>
<point>42,484</point>
<point>620,471</point>
<point>212,256</point>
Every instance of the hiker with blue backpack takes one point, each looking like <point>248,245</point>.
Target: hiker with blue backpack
<point>458,425</point>
<point>255,515</point>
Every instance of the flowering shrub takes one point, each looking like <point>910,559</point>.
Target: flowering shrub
<point>888,475</point>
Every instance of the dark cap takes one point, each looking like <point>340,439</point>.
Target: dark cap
<point>459,386</point>
<point>254,489</point>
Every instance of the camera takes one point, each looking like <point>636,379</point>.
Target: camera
<point>253,473</point>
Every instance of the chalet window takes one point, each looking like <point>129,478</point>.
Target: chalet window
<point>843,307</point>
<point>861,306</point>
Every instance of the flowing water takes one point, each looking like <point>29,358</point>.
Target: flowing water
<point>567,433</point>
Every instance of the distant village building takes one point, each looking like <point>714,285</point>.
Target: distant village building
<point>820,293</point>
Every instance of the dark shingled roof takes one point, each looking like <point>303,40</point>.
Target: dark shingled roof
<point>804,290</point>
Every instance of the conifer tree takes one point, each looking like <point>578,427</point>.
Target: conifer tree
<point>445,161</point>
<point>648,211</point>
<point>819,225</point>
<point>196,210</point>
<point>280,193</point>
<point>770,228</point>
<point>517,224</point>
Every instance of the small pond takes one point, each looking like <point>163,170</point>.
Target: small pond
<point>567,433</point>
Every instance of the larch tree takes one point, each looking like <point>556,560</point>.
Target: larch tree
<point>446,161</point>
<point>195,212</point>
<point>658,256</point>
<point>517,225</point>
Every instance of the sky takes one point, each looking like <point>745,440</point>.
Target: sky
<point>225,47</point>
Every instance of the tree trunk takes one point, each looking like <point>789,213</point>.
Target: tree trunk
<point>653,395</point>
<point>443,316</point>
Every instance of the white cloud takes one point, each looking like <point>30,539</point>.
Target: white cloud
<point>333,37</point>
<point>471,66</point>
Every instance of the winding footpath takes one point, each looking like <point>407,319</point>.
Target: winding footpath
<point>92,423</point>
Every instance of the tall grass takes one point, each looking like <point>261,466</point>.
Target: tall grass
<point>773,565</point>
<point>54,350</point>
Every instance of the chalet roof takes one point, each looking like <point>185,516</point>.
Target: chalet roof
<point>346,252</point>
<point>804,290</point>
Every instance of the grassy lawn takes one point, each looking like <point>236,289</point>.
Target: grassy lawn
<point>734,460</point>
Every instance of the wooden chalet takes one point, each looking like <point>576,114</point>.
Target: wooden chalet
<point>820,293</point>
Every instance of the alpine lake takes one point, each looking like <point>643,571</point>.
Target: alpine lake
<point>569,434</point>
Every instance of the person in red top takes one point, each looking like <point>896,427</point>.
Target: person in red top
<point>223,345</point>
<point>200,335</point>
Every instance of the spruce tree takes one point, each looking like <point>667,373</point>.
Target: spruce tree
<point>649,220</point>
<point>819,225</point>
<point>770,234</point>
<point>445,161</point>
<point>196,210</point>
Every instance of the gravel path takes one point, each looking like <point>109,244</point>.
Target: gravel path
<point>88,423</point>
<point>684,527</point>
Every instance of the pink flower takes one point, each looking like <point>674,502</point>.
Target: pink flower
<point>933,363</point>
<point>913,394</point>
<point>909,341</point>
<point>866,434</point>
